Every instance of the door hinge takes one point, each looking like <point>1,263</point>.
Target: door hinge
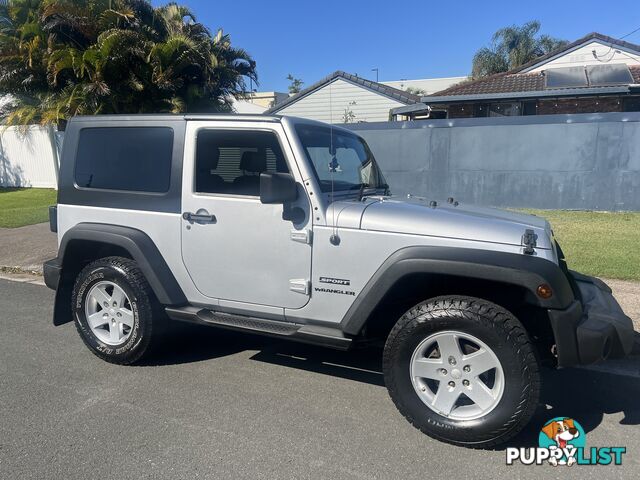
<point>302,236</point>
<point>300,285</point>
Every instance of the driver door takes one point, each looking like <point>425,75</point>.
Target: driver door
<point>235,247</point>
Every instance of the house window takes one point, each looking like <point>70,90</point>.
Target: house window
<point>505,109</point>
<point>631,104</point>
<point>480,110</point>
<point>530,107</point>
<point>435,114</point>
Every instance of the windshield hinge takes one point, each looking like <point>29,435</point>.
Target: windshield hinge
<point>302,236</point>
<point>300,285</point>
<point>529,242</point>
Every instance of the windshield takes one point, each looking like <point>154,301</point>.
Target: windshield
<point>341,157</point>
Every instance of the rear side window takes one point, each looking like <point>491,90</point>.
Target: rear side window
<point>117,158</point>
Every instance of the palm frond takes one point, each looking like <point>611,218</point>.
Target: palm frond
<point>60,58</point>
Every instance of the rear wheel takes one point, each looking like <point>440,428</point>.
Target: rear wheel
<point>113,309</point>
<point>462,370</point>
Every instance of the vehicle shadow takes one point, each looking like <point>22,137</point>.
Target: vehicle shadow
<point>189,343</point>
<point>582,394</point>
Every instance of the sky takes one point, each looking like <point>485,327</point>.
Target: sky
<point>403,40</point>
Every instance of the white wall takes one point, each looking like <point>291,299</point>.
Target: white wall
<point>328,104</point>
<point>583,56</point>
<point>429,85</point>
<point>246,106</point>
<point>29,158</point>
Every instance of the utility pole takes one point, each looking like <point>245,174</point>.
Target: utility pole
<point>377,70</point>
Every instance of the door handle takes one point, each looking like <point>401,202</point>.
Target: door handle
<point>199,217</point>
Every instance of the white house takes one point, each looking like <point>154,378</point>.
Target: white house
<point>592,49</point>
<point>240,105</point>
<point>345,98</point>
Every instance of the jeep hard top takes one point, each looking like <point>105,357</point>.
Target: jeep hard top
<point>286,227</point>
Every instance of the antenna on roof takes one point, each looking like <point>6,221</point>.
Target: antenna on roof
<point>333,165</point>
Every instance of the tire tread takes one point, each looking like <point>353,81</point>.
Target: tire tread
<point>147,305</point>
<point>492,315</point>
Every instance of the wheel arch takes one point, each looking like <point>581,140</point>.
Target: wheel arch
<point>87,242</point>
<point>415,274</point>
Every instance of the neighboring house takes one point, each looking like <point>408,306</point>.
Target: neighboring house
<point>593,74</point>
<point>241,105</point>
<point>345,98</point>
<point>426,86</point>
<point>266,99</point>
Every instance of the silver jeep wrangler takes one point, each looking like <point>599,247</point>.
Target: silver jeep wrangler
<point>286,227</point>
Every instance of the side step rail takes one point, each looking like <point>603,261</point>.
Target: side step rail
<point>313,334</point>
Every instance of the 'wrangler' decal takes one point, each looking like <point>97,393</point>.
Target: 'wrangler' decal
<point>333,290</point>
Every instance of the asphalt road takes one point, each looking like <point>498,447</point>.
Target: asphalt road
<point>215,404</point>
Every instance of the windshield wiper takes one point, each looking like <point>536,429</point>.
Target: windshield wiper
<point>361,192</point>
<point>361,187</point>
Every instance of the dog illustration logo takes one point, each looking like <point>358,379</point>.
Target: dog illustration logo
<point>562,435</point>
<point>562,441</point>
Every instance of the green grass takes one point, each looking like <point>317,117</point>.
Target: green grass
<point>25,206</point>
<point>603,244</point>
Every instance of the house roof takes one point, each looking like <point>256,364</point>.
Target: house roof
<point>520,80</point>
<point>573,45</point>
<point>514,84</point>
<point>385,90</point>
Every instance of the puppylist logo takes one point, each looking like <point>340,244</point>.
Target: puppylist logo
<point>562,441</point>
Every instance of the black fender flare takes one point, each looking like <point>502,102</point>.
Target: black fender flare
<point>515,269</point>
<point>139,246</point>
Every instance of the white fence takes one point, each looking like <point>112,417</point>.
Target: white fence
<point>29,158</point>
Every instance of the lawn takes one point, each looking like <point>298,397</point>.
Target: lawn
<point>603,244</point>
<point>25,206</point>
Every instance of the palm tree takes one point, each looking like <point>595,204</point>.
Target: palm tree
<point>60,58</point>
<point>512,47</point>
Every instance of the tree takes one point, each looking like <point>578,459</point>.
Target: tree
<point>295,86</point>
<point>416,91</point>
<point>348,116</point>
<point>60,58</point>
<point>512,47</point>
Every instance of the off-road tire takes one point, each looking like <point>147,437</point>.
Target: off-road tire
<point>497,328</point>
<point>149,322</point>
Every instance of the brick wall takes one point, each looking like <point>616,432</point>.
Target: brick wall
<point>550,107</point>
<point>580,105</point>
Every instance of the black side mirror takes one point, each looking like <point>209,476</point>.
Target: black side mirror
<point>277,188</point>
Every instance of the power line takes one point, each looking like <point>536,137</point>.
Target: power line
<point>630,33</point>
<point>599,57</point>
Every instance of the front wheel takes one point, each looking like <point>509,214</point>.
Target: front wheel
<point>462,370</point>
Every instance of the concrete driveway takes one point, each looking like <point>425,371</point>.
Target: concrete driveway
<point>27,248</point>
<point>214,404</point>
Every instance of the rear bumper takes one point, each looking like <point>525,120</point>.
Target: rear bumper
<point>593,328</point>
